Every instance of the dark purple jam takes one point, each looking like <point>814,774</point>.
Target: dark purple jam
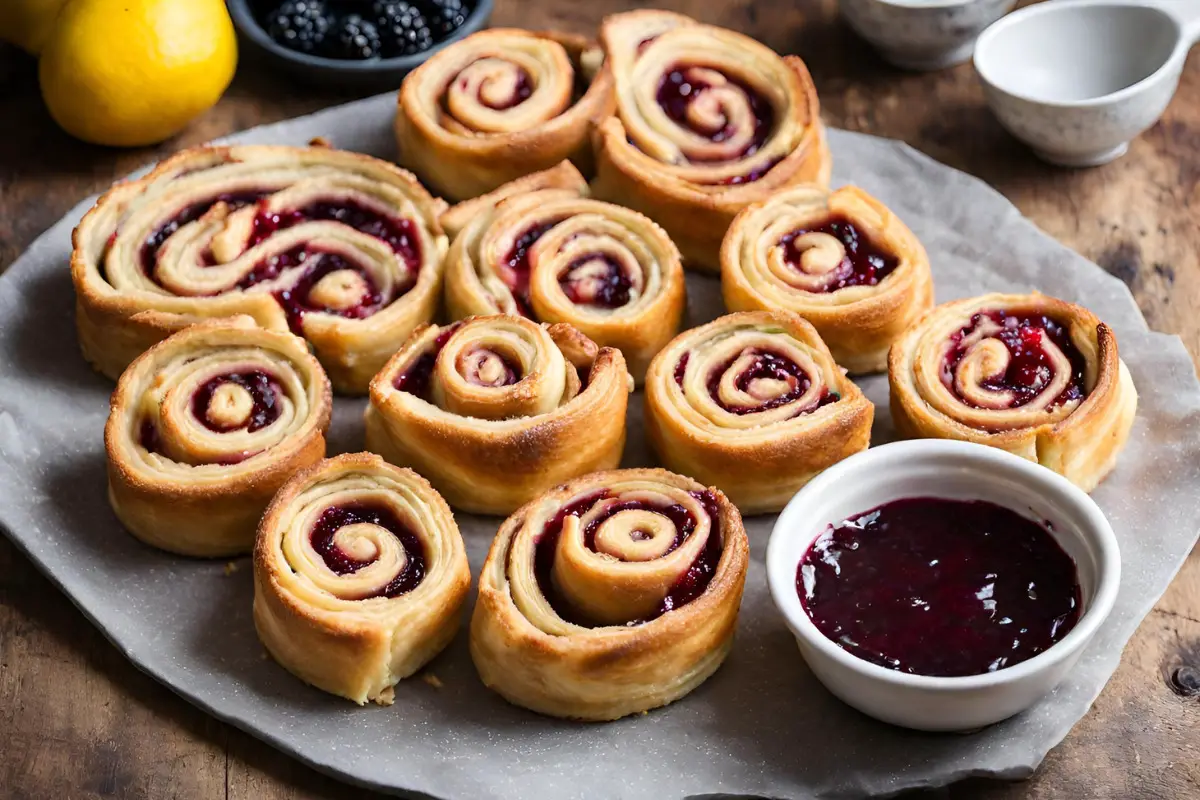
<point>1030,368</point>
<point>335,518</point>
<point>609,290</point>
<point>686,589</point>
<point>680,87</point>
<point>753,175</point>
<point>148,436</point>
<point>940,587</point>
<point>515,268</point>
<point>766,364</point>
<point>149,250</point>
<point>397,233</point>
<point>865,263</point>
<point>521,92</point>
<point>264,391</point>
<point>681,368</point>
<point>297,299</point>
<point>415,379</point>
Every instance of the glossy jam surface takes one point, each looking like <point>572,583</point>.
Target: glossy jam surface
<point>596,281</point>
<point>687,588</point>
<point>335,518</point>
<point>264,391</point>
<point>940,587</point>
<point>681,86</point>
<point>415,378</point>
<point>150,247</point>
<point>1030,368</point>
<point>515,267</point>
<point>865,263</point>
<point>399,234</point>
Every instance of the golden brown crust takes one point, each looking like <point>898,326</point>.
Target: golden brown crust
<point>129,296</point>
<point>527,652</point>
<point>1077,439</point>
<point>199,491</point>
<point>462,146</point>
<point>858,323</point>
<point>490,446</point>
<point>647,162</point>
<point>583,244</point>
<point>334,629</point>
<point>758,458</point>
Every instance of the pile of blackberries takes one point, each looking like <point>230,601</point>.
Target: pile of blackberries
<point>362,30</point>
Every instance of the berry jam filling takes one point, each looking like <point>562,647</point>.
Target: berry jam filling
<point>415,379</point>
<point>264,391</point>
<point>768,366</point>
<point>515,267</point>
<point>149,250</point>
<point>680,87</point>
<point>335,518</point>
<point>864,264</point>
<point>398,234</point>
<point>148,437</point>
<point>596,281</point>
<point>1030,368</point>
<point>940,587</point>
<point>687,588</point>
<point>297,299</point>
<point>520,93</point>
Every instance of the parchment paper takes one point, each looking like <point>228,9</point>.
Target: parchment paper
<point>761,726</point>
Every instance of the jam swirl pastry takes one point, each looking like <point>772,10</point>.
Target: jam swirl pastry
<point>610,595</point>
<point>708,121</point>
<point>343,249</point>
<point>359,576</point>
<point>501,104</point>
<point>839,259</point>
<point>541,248</point>
<point>496,410</point>
<point>1030,374</point>
<point>204,428</point>
<point>754,404</point>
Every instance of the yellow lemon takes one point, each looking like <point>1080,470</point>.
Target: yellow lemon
<point>134,72</point>
<point>27,23</point>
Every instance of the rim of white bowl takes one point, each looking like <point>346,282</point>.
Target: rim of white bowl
<point>918,5</point>
<point>1037,479</point>
<point>1004,23</point>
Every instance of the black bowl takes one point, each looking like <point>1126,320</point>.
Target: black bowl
<point>376,73</point>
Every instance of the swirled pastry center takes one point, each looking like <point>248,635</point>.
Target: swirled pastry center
<point>415,379</point>
<point>515,268</point>
<point>832,256</point>
<point>597,280</point>
<point>484,367</point>
<point>757,380</point>
<point>351,537</point>
<point>632,530</point>
<point>1002,361</point>
<point>304,278</point>
<point>491,82</point>
<point>734,118</point>
<point>236,401</point>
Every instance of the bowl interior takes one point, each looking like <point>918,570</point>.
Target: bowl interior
<point>1071,53</point>
<point>951,470</point>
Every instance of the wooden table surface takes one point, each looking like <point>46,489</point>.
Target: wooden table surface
<point>78,720</point>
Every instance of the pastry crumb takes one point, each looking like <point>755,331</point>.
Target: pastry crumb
<point>432,680</point>
<point>387,696</point>
<point>319,141</point>
<point>231,567</point>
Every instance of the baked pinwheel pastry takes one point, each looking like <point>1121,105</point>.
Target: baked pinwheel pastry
<point>1030,374</point>
<point>612,594</point>
<point>753,404</point>
<point>708,121</point>
<point>541,248</point>
<point>204,428</point>
<point>841,260</point>
<point>500,104</point>
<point>359,576</point>
<point>342,248</point>
<point>496,410</point>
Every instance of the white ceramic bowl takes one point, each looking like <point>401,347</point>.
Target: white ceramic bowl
<point>953,470</point>
<point>923,34</point>
<point>1076,81</point>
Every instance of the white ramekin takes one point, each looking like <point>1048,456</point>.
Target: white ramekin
<point>959,471</point>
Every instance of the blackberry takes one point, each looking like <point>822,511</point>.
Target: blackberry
<point>446,16</point>
<point>300,25</point>
<point>402,27</point>
<point>354,38</point>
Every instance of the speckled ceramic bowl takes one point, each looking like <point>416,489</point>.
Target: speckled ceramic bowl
<point>1076,80</point>
<point>923,34</point>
